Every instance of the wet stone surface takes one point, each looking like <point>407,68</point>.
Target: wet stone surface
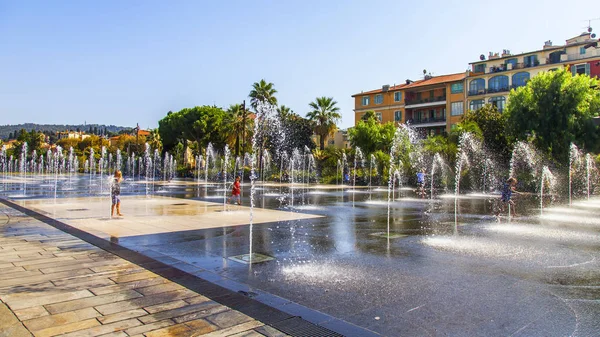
<point>478,275</point>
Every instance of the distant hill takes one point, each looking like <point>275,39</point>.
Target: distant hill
<point>5,130</point>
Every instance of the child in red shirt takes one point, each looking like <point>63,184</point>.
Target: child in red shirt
<point>236,191</point>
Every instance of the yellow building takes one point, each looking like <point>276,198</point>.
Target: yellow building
<point>490,80</point>
<point>423,103</point>
<point>338,139</point>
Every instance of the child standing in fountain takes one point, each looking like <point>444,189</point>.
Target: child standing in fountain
<point>421,184</point>
<point>236,191</point>
<point>115,193</point>
<point>507,190</point>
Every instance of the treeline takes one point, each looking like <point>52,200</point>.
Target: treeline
<point>12,131</point>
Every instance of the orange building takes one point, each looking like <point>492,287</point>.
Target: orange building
<point>433,104</point>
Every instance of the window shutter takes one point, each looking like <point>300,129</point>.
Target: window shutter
<point>573,70</point>
<point>587,69</point>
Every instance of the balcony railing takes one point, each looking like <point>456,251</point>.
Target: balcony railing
<point>501,89</point>
<point>488,91</point>
<point>497,69</point>
<point>427,120</point>
<point>477,92</point>
<point>425,100</point>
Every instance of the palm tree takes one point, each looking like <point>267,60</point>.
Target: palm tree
<point>237,118</point>
<point>262,92</point>
<point>324,116</point>
<point>154,140</point>
<point>284,112</point>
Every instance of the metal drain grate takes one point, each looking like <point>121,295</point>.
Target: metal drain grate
<point>180,204</point>
<point>77,209</point>
<point>298,327</point>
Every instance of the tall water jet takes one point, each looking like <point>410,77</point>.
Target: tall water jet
<point>92,165</point>
<point>147,166</point>
<point>574,158</point>
<point>209,154</point>
<point>344,167</point>
<point>225,166</point>
<point>263,114</point>
<point>547,178</point>
<point>3,165</point>
<point>372,165</point>
<point>57,156</point>
<point>436,162</point>
<point>588,165</point>
<point>523,153</point>
<point>401,136</point>
<point>462,160</point>
<point>119,164</point>
<point>358,158</point>
<point>338,170</point>
<point>23,166</point>
<point>71,168</point>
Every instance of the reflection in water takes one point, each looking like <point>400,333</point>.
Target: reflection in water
<point>498,272</point>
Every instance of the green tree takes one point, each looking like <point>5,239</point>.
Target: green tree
<point>370,135</point>
<point>368,115</point>
<point>170,130</point>
<point>553,110</point>
<point>492,125</point>
<point>262,92</point>
<point>237,123</point>
<point>284,112</point>
<point>324,116</point>
<point>442,145</point>
<point>154,140</point>
<point>298,132</point>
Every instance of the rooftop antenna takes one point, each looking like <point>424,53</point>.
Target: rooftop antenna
<point>589,26</point>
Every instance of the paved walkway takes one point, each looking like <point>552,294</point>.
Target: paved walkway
<point>52,283</point>
<point>154,215</point>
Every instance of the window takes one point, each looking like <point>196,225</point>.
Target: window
<point>499,102</point>
<point>531,61</point>
<point>397,96</point>
<point>581,50</point>
<point>583,69</point>
<point>365,100</point>
<point>512,61</point>
<point>456,88</point>
<point>479,68</point>
<point>476,104</point>
<point>520,79</point>
<point>498,83</point>
<point>457,108</point>
<point>398,116</point>
<point>378,115</point>
<point>378,99</point>
<point>477,87</point>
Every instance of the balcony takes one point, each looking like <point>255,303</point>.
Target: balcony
<point>477,92</point>
<point>488,91</point>
<point>501,89</point>
<point>498,69</point>
<point>424,101</point>
<point>427,120</point>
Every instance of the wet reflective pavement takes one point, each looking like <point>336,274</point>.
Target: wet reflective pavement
<point>531,276</point>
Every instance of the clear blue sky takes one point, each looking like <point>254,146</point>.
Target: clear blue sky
<point>123,62</point>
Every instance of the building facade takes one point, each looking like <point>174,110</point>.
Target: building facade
<point>490,80</point>
<point>436,103</point>
<point>432,104</point>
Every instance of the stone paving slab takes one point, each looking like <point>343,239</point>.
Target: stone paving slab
<point>65,286</point>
